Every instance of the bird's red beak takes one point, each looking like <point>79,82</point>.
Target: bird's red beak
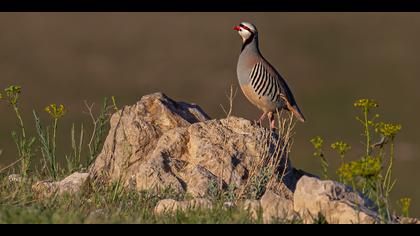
<point>237,28</point>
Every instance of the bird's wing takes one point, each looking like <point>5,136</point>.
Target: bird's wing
<point>264,70</point>
<point>263,82</point>
<point>285,92</point>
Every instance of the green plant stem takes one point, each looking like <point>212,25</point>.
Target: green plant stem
<point>324,165</point>
<point>114,103</point>
<point>73,141</point>
<point>79,156</point>
<point>23,145</point>
<point>380,202</point>
<point>367,132</point>
<point>387,180</point>
<point>342,164</point>
<point>22,127</point>
<point>342,160</point>
<point>53,161</point>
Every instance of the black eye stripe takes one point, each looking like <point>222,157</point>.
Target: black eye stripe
<point>246,28</point>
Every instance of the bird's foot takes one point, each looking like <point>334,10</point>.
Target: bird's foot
<point>273,129</point>
<point>272,122</point>
<point>259,121</point>
<point>256,122</point>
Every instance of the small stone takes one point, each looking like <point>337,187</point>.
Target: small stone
<point>228,205</point>
<point>45,188</point>
<point>171,206</point>
<point>70,185</point>
<point>408,220</point>
<point>73,183</point>
<point>15,178</point>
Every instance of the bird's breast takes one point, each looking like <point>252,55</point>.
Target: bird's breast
<point>246,62</point>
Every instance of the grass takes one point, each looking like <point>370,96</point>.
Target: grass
<point>18,204</point>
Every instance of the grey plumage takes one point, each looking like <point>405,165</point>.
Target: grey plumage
<point>259,80</point>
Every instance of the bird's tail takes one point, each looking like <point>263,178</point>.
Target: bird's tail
<point>296,111</point>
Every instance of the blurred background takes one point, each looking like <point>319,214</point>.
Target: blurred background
<point>328,59</point>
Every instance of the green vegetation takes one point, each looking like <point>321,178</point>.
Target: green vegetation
<point>47,138</point>
<point>405,203</point>
<point>371,174</point>
<point>74,159</point>
<point>49,148</point>
<point>23,143</point>
<point>109,204</point>
<point>318,143</point>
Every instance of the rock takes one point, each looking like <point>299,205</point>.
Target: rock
<point>134,148</point>
<point>15,178</point>
<point>199,180</point>
<point>408,220</point>
<point>228,205</point>
<point>333,200</point>
<point>162,144</point>
<point>45,188</point>
<point>276,207</point>
<point>171,206</point>
<point>166,205</point>
<point>73,183</point>
<point>70,185</point>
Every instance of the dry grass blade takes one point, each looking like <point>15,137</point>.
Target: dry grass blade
<point>10,165</point>
<point>283,148</point>
<point>99,123</point>
<point>230,97</point>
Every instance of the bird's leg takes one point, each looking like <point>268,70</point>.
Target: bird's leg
<point>259,121</point>
<point>272,121</point>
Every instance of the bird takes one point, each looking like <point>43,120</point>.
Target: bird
<point>260,82</point>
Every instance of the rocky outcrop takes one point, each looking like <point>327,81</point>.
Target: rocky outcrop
<point>159,143</point>
<point>334,201</point>
<point>276,207</point>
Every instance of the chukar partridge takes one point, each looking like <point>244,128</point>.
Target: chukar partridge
<point>260,82</point>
